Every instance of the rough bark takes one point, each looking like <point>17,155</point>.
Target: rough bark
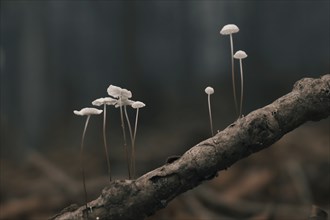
<point>137,199</point>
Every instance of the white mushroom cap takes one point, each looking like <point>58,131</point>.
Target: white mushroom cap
<point>106,101</point>
<point>229,29</point>
<point>209,90</point>
<point>116,91</point>
<point>138,104</point>
<point>88,111</point>
<point>109,101</point>
<point>240,55</point>
<point>126,93</point>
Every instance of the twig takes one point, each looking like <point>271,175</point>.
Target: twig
<point>137,199</point>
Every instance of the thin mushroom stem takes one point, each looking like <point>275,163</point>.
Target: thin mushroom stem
<point>129,123</point>
<point>136,120</point>
<point>242,83</point>
<point>124,136</point>
<point>133,145</point>
<point>210,112</point>
<point>131,136</point>
<point>82,159</point>
<point>105,141</point>
<point>233,72</point>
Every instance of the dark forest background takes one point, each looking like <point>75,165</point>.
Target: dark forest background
<point>58,56</point>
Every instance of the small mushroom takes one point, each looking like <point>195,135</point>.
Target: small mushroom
<point>123,96</point>
<point>241,55</point>
<point>105,101</point>
<point>136,105</point>
<point>85,112</point>
<point>209,91</point>
<point>231,29</point>
<point>117,92</point>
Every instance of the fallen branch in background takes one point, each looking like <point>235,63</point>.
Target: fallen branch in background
<point>137,199</point>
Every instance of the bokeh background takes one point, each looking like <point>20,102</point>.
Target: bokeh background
<point>57,56</point>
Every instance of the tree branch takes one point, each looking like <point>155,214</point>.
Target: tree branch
<point>137,199</point>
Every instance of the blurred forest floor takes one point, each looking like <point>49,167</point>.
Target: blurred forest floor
<point>279,183</point>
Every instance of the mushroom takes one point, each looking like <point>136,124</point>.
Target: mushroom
<point>136,105</point>
<point>230,29</point>
<point>241,55</point>
<point>124,103</point>
<point>114,91</point>
<point>105,101</point>
<point>209,91</point>
<point>123,96</point>
<point>85,112</point>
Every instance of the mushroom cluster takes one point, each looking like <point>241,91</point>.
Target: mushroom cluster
<point>119,98</point>
<point>231,29</point>
<point>122,97</point>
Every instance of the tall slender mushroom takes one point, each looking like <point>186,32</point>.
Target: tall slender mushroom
<point>85,112</point>
<point>241,55</point>
<point>121,95</point>
<point>230,29</point>
<point>105,101</point>
<point>209,91</point>
<point>124,103</point>
<point>137,105</point>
